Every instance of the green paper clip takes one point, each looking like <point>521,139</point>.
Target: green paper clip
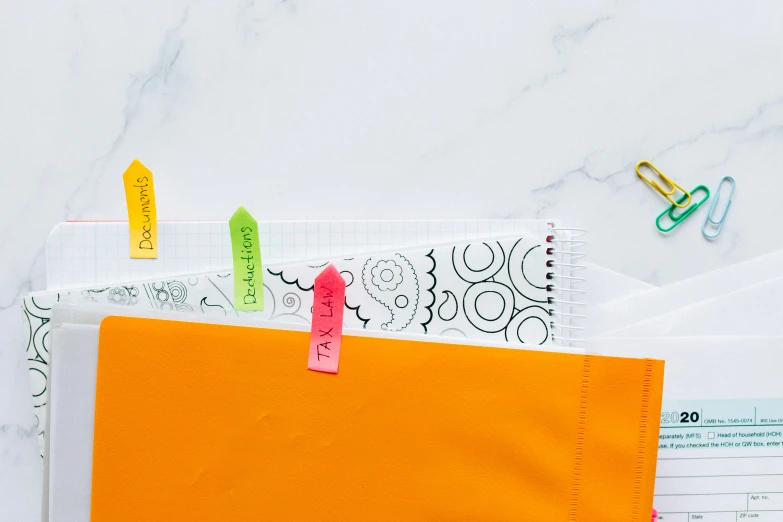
<point>687,212</point>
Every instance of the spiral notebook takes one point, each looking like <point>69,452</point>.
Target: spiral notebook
<point>83,254</point>
<point>94,254</point>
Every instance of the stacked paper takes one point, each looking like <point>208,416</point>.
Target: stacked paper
<point>450,350</point>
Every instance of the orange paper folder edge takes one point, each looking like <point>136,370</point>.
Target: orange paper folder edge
<point>207,422</point>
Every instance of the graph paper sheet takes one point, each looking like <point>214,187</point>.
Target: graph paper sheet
<point>86,253</point>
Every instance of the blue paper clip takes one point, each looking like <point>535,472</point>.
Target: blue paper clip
<point>719,221</point>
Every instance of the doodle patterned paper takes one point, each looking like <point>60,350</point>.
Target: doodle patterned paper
<point>488,290</point>
<point>493,290</point>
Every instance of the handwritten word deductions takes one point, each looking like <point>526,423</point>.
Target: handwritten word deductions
<point>246,252</point>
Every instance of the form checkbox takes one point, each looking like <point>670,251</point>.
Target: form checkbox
<point>711,435</point>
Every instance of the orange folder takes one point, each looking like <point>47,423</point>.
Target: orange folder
<point>206,422</point>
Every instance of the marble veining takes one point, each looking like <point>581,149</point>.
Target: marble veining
<point>479,110</point>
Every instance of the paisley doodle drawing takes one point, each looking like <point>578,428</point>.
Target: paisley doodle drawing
<point>449,307</point>
<point>292,303</point>
<point>116,295</point>
<point>529,326</point>
<point>430,292</point>
<point>488,306</point>
<point>527,271</point>
<point>209,309</point>
<point>476,262</point>
<point>387,277</point>
<point>355,309</point>
<point>295,282</point>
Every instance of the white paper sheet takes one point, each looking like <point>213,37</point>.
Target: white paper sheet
<point>74,368</point>
<point>624,312</point>
<point>737,367</point>
<point>753,310</point>
<point>604,285</point>
<point>721,445</point>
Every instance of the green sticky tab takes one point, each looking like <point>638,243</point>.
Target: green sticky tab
<point>246,250</point>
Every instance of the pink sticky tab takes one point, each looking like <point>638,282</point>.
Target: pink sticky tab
<point>327,331</point>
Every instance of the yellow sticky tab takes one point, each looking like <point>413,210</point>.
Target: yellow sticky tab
<point>142,218</point>
<point>246,250</point>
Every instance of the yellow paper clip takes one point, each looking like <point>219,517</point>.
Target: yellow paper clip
<point>681,203</point>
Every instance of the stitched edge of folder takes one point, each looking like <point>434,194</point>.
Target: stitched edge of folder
<point>641,454</point>
<point>581,427</point>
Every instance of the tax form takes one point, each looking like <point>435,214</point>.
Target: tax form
<point>720,460</point>
<point>720,454</point>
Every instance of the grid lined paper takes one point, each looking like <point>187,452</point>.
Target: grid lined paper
<point>89,253</point>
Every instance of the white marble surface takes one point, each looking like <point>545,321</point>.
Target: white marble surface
<point>424,109</point>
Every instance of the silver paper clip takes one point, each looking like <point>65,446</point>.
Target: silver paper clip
<point>718,223</point>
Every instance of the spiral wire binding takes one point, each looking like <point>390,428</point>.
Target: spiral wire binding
<point>565,258</point>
